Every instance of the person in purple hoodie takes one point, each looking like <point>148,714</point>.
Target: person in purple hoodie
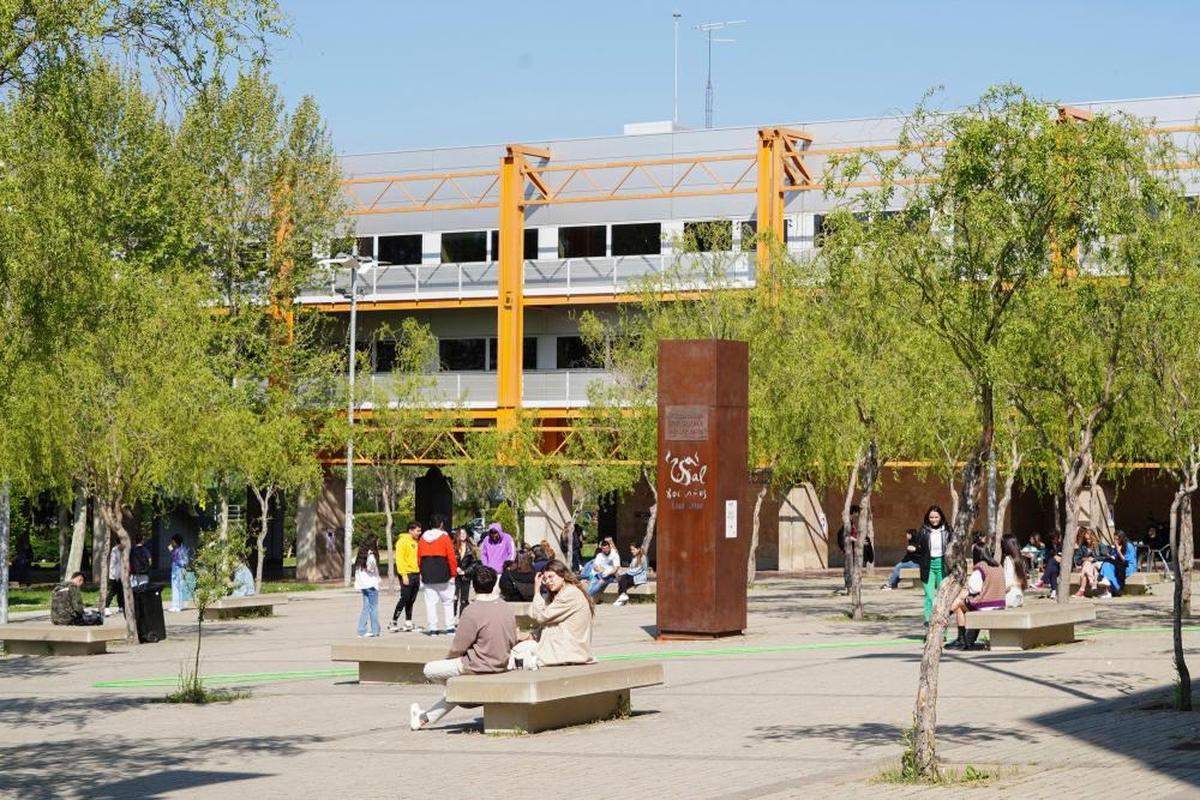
<point>497,548</point>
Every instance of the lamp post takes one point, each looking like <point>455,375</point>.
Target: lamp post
<point>675,106</point>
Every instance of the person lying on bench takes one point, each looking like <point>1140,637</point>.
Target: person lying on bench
<point>564,620</point>
<point>487,631</point>
<point>984,592</point>
<point>66,604</point>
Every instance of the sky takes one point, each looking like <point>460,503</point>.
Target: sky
<point>402,74</point>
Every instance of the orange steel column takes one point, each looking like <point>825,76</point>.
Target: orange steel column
<point>510,321</point>
<point>770,193</point>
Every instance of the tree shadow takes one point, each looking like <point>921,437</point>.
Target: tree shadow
<point>866,735</point>
<point>47,712</point>
<point>114,767</point>
<point>21,666</point>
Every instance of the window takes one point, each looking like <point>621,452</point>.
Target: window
<point>365,245</point>
<point>638,239</point>
<point>462,354</point>
<point>530,248</point>
<point>708,236</point>
<point>385,355</point>
<point>464,247</point>
<point>818,230</point>
<point>574,354</point>
<point>400,249</point>
<point>528,354</point>
<point>584,241</point>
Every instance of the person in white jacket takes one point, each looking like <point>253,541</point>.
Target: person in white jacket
<point>366,580</point>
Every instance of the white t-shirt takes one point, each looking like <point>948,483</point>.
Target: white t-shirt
<point>114,564</point>
<point>935,541</point>
<point>603,565</point>
<point>1013,595</point>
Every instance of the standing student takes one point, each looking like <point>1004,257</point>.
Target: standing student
<point>497,548</point>
<point>180,559</point>
<point>482,645</point>
<point>438,568</point>
<point>116,566</point>
<point>932,544</point>
<point>464,554</point>
<point>408,566</point>
<point>140,562</point>
<point>366,581</point>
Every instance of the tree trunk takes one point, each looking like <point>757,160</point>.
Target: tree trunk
<point>99,539</point>
<point>1072,484</point>
<point>78,532</point>
<point>264,520</point>
<point>1183,699</point>
<point>114,520</point>
<point>847,542</point>
<point>387,532</point>
<point>1186,549</point>
<point>752,561</point>
<point>5,516</point>
<point>1014,464</point>
<point>63,526</point>
<point>105,557</point>
<point>224,522</point>
<point>859,548</point>
<point>648,537</point>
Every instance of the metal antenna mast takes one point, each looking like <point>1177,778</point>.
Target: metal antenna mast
<point>707,28</point>
<point>675,106</point>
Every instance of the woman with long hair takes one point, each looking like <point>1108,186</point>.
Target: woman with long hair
<point>1015,581</point>
<point>1085,559</point>
<point>564,616</point>
<point>932,544</point>
<point>467,557</point>
<point>366,581</point>
<point>1119,564</point>
<point>984,592</point>
<point>636,574</point>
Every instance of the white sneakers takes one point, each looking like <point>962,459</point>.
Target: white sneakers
<point>416,720</point>
<point>622,599</point>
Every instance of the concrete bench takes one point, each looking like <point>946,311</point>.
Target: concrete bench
<point>256,605</point>
<point>392,660</point>
<point>553,697</point>
<point>521,614</point>
<point>649,589</point>
<point>1137,583</point>
<point>1031,626</point>
<point>44,639</point>
<point>910,578</point>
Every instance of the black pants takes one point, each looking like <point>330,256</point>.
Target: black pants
<point>462,593</point>
<point>408,596</point>
<point>114,588</point>
<point>624,584</point>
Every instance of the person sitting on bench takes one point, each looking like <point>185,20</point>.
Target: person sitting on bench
<point>564,620</point>
<point>243,581</point>
<point>487,631</point>
<point>984,592</point>
<point>1119,563</point>
<point>908,561</point>
<point>66,604</point>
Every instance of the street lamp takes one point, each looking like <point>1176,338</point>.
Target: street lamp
<point>355,264</point>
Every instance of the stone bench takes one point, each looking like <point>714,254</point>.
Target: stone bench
<point>1031,626</point>
<point>521,614</point>
<point>392,660</point>
<point>1137,583</point>
<point>256,605</point>
<point>553,697</point>
<point>649,589</point>
<point>910,578</point>
<point>44,639</point>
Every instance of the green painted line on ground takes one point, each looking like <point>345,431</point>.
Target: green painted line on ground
<point>300,675</point>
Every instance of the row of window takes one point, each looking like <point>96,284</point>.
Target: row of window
<point>481,354</point>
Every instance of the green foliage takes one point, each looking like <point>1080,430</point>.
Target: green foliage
<point>507,517</point>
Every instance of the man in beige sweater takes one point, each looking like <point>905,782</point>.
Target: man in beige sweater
<point>486,634</point>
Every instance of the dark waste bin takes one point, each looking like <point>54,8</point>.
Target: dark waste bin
<point>148,610</point>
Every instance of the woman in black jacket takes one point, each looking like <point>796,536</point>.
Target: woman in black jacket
<point>467,557</point>
<point>932,544</point>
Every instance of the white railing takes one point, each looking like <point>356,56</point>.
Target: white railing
<point>557,388</point>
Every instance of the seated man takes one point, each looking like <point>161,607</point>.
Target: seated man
<point>243,581</point>
<point>907,562</point>
<point>66,604</point>
<point>605,567</point>
<point>486,634</point>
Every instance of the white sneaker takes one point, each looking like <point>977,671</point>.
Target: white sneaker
<point>416,720</point>
<point>108,612</point>
<point>622,599</point>
<point>393,627</point>
<point>408,627</point>
<point>1053,595</point>
<point>886,588</point>
<point>372,635</point>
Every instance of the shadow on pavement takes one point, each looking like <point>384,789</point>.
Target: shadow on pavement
<point>31,666</point>
<point>874,734</point>
<point>46,712</point>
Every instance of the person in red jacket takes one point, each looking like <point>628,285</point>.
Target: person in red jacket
<point>435,553</point>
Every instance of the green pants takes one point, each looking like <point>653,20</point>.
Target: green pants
<point>931,585</point>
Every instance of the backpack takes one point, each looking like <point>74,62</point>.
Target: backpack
<point>139,560</point>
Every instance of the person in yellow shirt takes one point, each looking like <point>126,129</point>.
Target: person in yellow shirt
<point>410,576</point>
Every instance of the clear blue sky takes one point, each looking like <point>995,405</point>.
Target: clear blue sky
<point>398,74</point>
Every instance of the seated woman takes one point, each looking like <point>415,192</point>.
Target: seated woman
<point>1015,581</point>
<point>984,592</point>
<point>243,581</point>
<point>543,554</point>
<point>636,574</point>
<point>517,582</point>
<point>1119,564</point>
<point>1089,568</point>
<point>564,619</point>
<point>1053,561</point>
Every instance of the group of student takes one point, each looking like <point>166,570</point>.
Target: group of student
<point>1103,569</point>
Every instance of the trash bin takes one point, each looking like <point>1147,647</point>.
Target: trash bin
<point>148,610</point>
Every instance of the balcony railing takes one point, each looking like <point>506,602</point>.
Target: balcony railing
<point>566,276</point>
<point>541,388</point>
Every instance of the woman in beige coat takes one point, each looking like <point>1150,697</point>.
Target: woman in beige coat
<point>564,619</point>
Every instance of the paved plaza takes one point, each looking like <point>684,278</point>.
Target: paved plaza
<point>804,705</point>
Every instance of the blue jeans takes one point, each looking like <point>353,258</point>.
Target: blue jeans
<point>596,584</point>
<point>370,612</point>
<point>894,579</point>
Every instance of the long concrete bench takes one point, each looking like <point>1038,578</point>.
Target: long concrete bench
<point>256,605</point>
<point>553,697</point>
<point>1031,626</point>
<point>392,660</point>
<point>910,578</point>
<point>44,639</point>
<point>1138,583</point>
<point>649,589</point>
